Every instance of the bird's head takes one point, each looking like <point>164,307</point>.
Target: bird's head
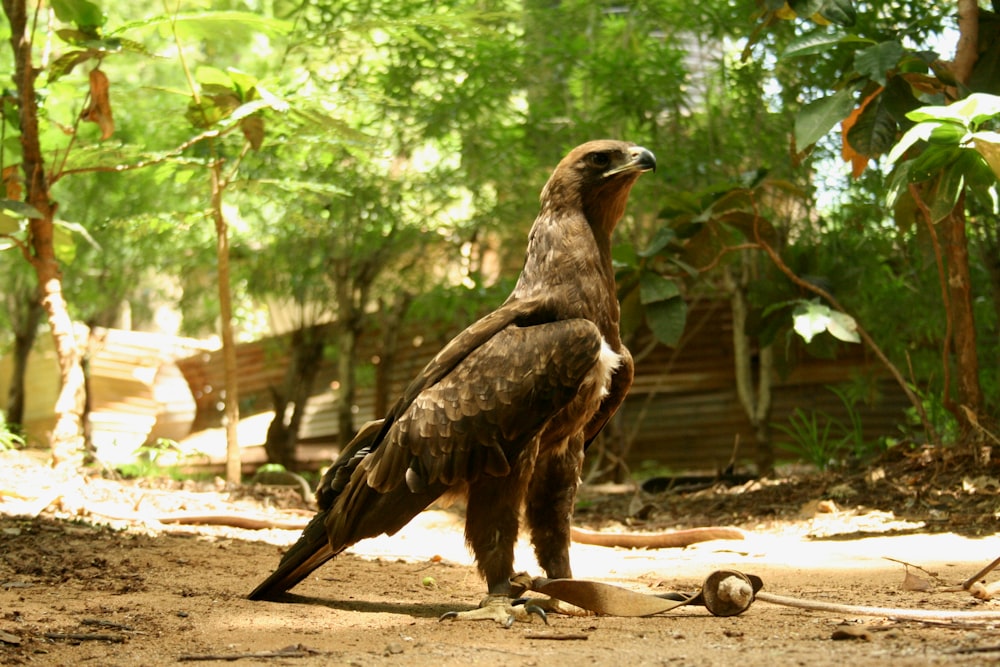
<point>596,177</point>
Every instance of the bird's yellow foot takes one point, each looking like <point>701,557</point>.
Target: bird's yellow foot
<point>501,609</point>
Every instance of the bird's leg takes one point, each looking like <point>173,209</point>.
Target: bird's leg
<point>549,508</point>
<point>549,513</point>
<point>491,526</point>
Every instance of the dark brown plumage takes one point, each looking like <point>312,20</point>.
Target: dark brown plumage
<point>503,413</point>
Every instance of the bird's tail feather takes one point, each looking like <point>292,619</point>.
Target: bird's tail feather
<point>312,550</point>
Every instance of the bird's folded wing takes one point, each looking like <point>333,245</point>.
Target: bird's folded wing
<point>476,418</point>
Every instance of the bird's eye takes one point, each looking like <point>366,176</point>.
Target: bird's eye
<point>599,160</point>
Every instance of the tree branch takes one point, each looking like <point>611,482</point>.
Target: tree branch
<point>868,340</point>
<point>945,300</point>
<point>967,49</point>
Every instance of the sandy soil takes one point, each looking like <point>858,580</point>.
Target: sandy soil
<point>91,574</point>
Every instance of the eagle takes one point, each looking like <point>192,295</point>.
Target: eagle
<point>502,415</point>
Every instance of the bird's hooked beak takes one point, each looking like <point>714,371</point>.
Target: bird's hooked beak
<point>640,160</point>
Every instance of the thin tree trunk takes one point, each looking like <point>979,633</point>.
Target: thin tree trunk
<point>346,349</point>
<point>25,332</point>
<point>968,390</point>
<point>67,434</point>
<point>232,409</point>
<point>307,345</point>
<point>756,402</point>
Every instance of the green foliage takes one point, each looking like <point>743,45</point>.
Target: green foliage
<point>9,439</point>
<point>148,463</point>
<point>818,117</point>
<point>961,150</point>
<point>943,421</point>
<point>646,294</point>
<point>825,441</point>
<point>813,440</point>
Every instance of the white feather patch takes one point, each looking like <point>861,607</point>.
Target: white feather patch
<point>607,363</point>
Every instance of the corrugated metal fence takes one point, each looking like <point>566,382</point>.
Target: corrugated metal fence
<point>682,413</point>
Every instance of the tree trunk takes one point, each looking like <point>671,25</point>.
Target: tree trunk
<point>25,332</point>
<point>392,322</point>
<point>959,281</point>
<point>307,347</point>
<point>970,394</point>
<point>231,388</point>
<point>67,434</point>
<point>756,402</point>
<point>347,347</point>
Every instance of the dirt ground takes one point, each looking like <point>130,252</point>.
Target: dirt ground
<point>98,572</point>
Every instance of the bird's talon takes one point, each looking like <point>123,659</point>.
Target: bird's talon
<point>533,608</point>
<point>500,609</point>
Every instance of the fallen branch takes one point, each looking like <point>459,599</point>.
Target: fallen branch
<point>295,651</point>
<point>975,649</point>
<point>888,612</point>
<point>107,624</point>
<point>979,575</point>
<point>670,540</point>
<point>85,637</point>
<point>555,637</point>
<point>233,520</point>
<point>673,539</point>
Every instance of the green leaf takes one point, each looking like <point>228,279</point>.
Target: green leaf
<point>919,132</point>
<point>78,229</point>
<point>875,61</point>
<point>666,319</point>
<point>980,107</point>
<point>875,130</point>
<point>932,160</point>
<point>245,83</point>
<point>653,288</point>
<point>65,63</point>
<point>897,183</point>
<point>988,145</point>
<point>899,100</point>
<point>805,8</point>
<point>661,239</point>
<point>947,134</point>
<point>980,179</point>
<point>971,111</point>
<point>624,255</point>
<point>818,117</point>
<point>9,225</point>
<point>820,41</point>
<point>83,13</point>
<point>946,192</point>
<point>208,23</point>
<point>841,12</point>
<point>20,209</point>
<point>213,76</point>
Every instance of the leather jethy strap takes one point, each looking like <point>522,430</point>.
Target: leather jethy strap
<point>724,593</point>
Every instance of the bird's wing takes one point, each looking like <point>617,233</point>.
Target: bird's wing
<point>476,418</point>
<point>372,434</point>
